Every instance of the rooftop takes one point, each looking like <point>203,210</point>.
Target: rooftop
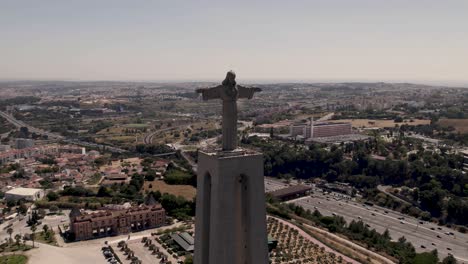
<point>290,190</point>
<point>23,191</point>
<point>185,240</point>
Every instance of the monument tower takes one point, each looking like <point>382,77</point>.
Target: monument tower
<point>230,221</point>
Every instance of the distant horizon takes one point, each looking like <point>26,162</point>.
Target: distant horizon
<point>448,83</point>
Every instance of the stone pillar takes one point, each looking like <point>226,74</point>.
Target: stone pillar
<point>230,223</point>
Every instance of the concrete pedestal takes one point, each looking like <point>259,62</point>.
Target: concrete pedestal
<point>230,223</point>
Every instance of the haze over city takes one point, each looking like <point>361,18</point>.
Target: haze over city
<point>362,40</point>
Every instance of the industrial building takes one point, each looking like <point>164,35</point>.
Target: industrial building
<point>184,240</point>
<point>22,143</point>
<point>28,194</point>
<point>291,192</point>
<point>319,130</point>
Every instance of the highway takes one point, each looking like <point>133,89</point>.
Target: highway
<point>51,135</point>
<point>19,123</point>
<point>424,237</point>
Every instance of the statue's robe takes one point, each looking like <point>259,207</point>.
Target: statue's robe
<point>229,97</point>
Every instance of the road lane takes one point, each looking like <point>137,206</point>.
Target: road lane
<point>425,234</point>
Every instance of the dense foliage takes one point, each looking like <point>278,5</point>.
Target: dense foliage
<point>439,185</point>
<point>153,149</point>
<point>175,175</point>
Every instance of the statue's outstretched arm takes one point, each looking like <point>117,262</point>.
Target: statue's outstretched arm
<point>247,92</point>
<point>210,93</point>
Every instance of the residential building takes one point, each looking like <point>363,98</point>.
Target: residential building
<point>116,222</point>
<point>22,143</point>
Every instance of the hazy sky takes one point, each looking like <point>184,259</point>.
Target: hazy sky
<point>401,40</point>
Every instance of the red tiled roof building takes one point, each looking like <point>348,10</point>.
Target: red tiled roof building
<point>115,222</point>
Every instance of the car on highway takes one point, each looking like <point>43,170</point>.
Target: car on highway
<point>432,228</point>
<point>438,236</point>
<point>359,217</point>
<point>401,222</point>
<point>433,243</point>
<point>423,246</point>
<point>373,214</point>
<point>449,249</point>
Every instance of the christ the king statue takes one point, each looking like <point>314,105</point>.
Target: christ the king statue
<point>229,92</point>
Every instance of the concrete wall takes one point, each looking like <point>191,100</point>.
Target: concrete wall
<point>231,216</point>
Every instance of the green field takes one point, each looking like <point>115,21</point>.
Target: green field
<point>13,259</point>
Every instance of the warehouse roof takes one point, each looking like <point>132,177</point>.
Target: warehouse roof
<point>291,190</point>
<point>185,240</point>
<point>23,191</point>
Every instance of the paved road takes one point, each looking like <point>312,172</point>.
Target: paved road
<point>384,189</point>
<point>375,216</point>
<point>148,139</point>
<point>326,117</point>
<point>51,135</point>
<point>19,123</point>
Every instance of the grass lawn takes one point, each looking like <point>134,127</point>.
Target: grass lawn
<point>5,247</point>
<point>13,259</point>
<point>186,191</point>
<point>40,237</point>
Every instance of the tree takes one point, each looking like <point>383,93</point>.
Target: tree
<point>17,239</point>
<point>426,258</point>
<point>188,259</point>
<point>9,231</point>
<point>52,196</point>
<point>22,208</point>
<point>53,209</point>
<point>45,232</point>
<point>103,192</point>
<point>33,235</point>
<point>450,259</point>
<point>45,228</point>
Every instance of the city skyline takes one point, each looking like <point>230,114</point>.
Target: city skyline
<point>321,41</point>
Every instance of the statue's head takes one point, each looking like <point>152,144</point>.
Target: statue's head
<point>230,79</point>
